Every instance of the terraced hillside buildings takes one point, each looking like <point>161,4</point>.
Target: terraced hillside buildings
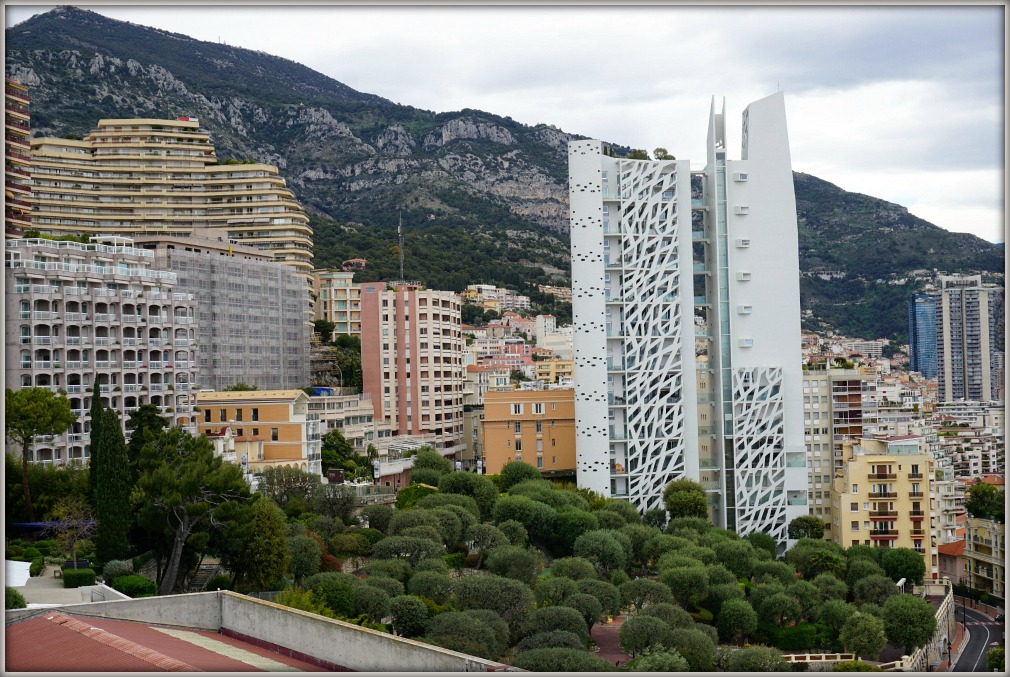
<point>81,316</point>
<point>150,176</point>
<point>647,411</point>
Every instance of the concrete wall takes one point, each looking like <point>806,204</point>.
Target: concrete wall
<point>200,610</point>
<point>344,644</point>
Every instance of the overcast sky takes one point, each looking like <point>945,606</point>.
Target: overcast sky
<point>902,103</point>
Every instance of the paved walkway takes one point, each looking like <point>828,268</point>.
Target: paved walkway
<point>606,638</point>
<point>47,589</point>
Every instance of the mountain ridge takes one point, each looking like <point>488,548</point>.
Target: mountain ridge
<point>481,195</point>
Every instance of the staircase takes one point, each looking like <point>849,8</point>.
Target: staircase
<point>204,572</point>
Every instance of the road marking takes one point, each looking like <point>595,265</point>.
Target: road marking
<point>984,646</point>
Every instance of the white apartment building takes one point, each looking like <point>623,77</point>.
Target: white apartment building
<point>647,412</point>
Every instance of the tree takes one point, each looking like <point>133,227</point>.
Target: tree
<point>434,585</point>
<point>685,498</point>
<point>830,586</point>
<point>696,646</point>
<point>372,602</point>
<point>642,591</point>
<point>112,492</point>
<point>638,154</point>
<point>72,522</point>
<point>662,154</point>
<point>478,487</point>
<point>484,538</point>
<point>806,526</point>
<point>856,666</point>
<point>551,639</point>
<point>514,472</point>
<point>807,595</point>
<point>904,563</point>
<point>427,457</point>
<point>97,427</point>
<point>909,621</point>
<point>984,500</point>
<point>654,517</point>
<point>569,525</point>
<point>737,619</point>
<point>377,516</point>
<point>587,605</point>
<point>863,635</point>
<point>182,487</point>
<point>265,554</point>
<point>780,609</point>
<point>640,632</point>
<point>337,452</point>
<point>995,659</point>
<point>554,589</point>
<point>409,548</point>
<point>325,330</point>
<point>561,660</point>
<point>510,599</point>
<point>602,549</point>
<point>240,386</point>
<point>521,564</point>
<point>860,568</point>
<point>660,660</point>
<point>575,568</point>
<point>409,614</point>
<point>606,593</point>
<point>762,541</point>
<point>305,557</point>
<point>32,414</point>
<point>758,659</point>
<point>834,613</point>
<point>689,585</point>
<point>737,556</point>
<point>564,618</point>
<point>143,421</point>
<point>874,589</point>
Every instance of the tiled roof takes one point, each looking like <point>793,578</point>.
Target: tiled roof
<point>954,549</point>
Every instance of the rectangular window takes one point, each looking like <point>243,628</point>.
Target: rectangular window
<point>517,409</point>
<point>222,415</point>
<point>540,426</point>
<point>238,414</point>
<point>855,488</point>
<point>855,526</point>
<point>538,407</point>
<point>255,432</point>
<point>239,432</point>
<point>540,461</point>
<point>854,507</point>
<point>255,414</point>
<point>274,434</point>
<point>519,445</point>
<point>206,415</point>
<point>519,427</point>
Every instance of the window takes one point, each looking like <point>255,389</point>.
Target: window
<point>540,426</point>
<point>554,443</point>
<point>238,414</point>
<point>517,409</point>
<point>274,434</point>
<point>206,415</point>
<point>255,414</point>
<point>519,427</point>
<point>855,526</point>
<point>540,461</point>
<point>538,407</point>
<point>855,488</point>
<point>239,432</point>
<point>222,415</point>
<point>255,432</point>
<point>519,445</point>
<point>854,507</point>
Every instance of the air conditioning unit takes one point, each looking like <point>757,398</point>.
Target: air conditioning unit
<point>746,343</point>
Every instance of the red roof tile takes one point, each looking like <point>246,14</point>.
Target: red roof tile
<point>955,549</point>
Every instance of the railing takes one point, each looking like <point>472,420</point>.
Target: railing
<point>883,476</point>
<point>884,494</point>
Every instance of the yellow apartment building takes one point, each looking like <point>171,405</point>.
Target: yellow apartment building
<point>552,371</point>
<point>985,556</point>
<point>163,177</point>
<point>534,426</point>
<point>289,431</point>
<point>338,300</point>
<point>883,497</point>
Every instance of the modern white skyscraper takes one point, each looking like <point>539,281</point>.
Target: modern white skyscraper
<point>969,338</point>
<point>687,324</point>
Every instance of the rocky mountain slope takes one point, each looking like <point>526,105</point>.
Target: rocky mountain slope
<point>481,196</point>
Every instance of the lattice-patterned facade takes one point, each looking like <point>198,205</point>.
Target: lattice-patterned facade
<point>686,311</point>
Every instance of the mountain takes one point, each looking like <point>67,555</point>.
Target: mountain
<point>481,197</point>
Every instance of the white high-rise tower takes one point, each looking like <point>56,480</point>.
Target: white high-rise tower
<point>686,308</point>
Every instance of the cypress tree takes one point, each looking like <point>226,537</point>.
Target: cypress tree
<point>114,484</point>
<point>96,437</point>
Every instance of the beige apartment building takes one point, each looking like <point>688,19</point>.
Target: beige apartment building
<point>555,370</point>
<point>412,360</point>
<point>338,300</point>
<point>81,316</point>
<point>17,130</point>
<point>156,176</point>
<point>533,426</point>
<point>883,497</point>
<point>280,419</point>
<point>985,556</point>
<point>838,405</point>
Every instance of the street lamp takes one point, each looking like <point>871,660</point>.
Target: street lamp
<point>950,666</point>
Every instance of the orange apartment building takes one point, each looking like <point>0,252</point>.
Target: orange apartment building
<point>279,418</point>
<point>533,426</point>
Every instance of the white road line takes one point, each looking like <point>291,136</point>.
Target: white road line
<point>985,647</point>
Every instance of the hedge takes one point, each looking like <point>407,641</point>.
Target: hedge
<point>75,578</point>
<point>38,565</point>
<point>13,599</point>
<point>135,585</point>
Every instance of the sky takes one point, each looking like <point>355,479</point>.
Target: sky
<point>904,103</point>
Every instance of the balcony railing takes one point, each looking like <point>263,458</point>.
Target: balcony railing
<point>883,476</point>
<point>884,494</point>
<point>884,533</point>
<point>883,513</point>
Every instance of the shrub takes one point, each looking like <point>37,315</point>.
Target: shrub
<point>75,578</point>
<point>31,553</point>
<point>575,568</point>
<point>115,568</point>
<point>441,500</point>
<point>13,599</point>
<point>640,632</point>
<point>565,618</point>
<point>135,585</point>
<point>48,547</point>
<point>14,552</point>
<point>607,594</point>
<point>554,589</point>
<point>514,562</point>
<point>673,616</point>
<point>433,564</point>
<point>758,659</point>
<point>336,591</point>
<point>464,632</point>
<point>510,599</point>
<point>390,586</point>
<point>514,472</point>
<point>330,563</point>
<point>479,487</point>
<point>410,615</point>
<point>696,646</point>
<point>372,602</point>
<point>561,660</point>
<point>408,548</point>
<point>609,520</point>
<point>215,582</point>
<point>408,497</point>
<point>551,639</point>
<point>434,585</point>
<point>660,660</point>
<point>515,532</point>
<point>350,544</point>
<point>37,566</point>
<point>377,516</point>
<point>428,476</point>
<point>587,605</point>
<point>393,568</point>
<point>856,666</point>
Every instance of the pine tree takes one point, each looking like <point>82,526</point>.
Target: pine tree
<point>96,436</point>
<point>112,497</point>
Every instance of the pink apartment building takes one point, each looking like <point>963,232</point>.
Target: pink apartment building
<point>412,360</point>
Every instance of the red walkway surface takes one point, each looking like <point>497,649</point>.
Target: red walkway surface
<point>605,635</point>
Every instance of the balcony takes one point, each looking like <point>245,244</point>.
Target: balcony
<point>917,494</point>
<point>882,514</point>
<point>915,475</point>
<point>884,534</point>
<point>884,494</point>
<point>882,476</point>
<point>917,515</point>
<point>918,533</point>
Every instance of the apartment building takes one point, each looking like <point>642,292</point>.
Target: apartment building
<point>338,300</point>
<point>637,288</point>
<point>883,496</point>
<point>985,555</point>
<point>163,176</point>
<point>81,316</point>
<point>838,405</point>
<point>554,370</point>
<point>560,293</point>
<point>412,360</point>
<point>969,338</point>
<point>253,312</point>
<point>533,426</point>
<point>17,130</point>
<point>351,414</point>
<point>922,334</point>
<point>280,419</point>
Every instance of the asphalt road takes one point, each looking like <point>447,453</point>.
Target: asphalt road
<point>984,632</point>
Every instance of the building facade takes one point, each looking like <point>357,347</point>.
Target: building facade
<point>412,361</point>
<point>922,334</point>
<point>280,419</point>
<point>253,312</point>
<point>985,556</point>
<point>643,401</point>
<point>338,300</point>
<point>17,130</point>
<point>162,176</point>
<point>81,316</point>
<point>533,426</point>
<point>884,497</point>
<point>969,339</point>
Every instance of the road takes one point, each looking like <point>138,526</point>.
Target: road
<point>984,632</point>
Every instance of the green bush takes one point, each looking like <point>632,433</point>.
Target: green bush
<point>552,639</point>
<point>391,586</point>
<point>14,553</point>
<point>75,578</point>
<point>38,565</point>
<point>31,553</point>
<point>216,582</point>
<point>13,599</point>
<point>48,547</point>
<point>135,585</point>
<point>115,568</point>
<point>856,666</point>
<point>561,660</point>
